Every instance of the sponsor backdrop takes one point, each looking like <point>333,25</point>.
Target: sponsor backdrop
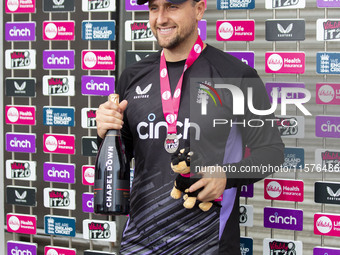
<point>61,64</point>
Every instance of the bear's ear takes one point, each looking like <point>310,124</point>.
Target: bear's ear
<point>182,151</point>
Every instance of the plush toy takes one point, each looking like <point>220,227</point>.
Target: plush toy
<point>180,163</point>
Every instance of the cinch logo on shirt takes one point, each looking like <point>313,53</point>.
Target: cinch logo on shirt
<point>150,129</point>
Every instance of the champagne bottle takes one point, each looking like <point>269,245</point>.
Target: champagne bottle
<point>112,172</point>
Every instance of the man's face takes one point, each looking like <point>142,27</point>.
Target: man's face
<point>172,24</point>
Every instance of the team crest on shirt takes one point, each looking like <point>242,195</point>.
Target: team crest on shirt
<point>142,92</point>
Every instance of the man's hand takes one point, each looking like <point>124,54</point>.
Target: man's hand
<point>110,116</point>
<point>213,184</point>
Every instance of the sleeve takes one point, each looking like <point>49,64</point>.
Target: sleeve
<point>265,143</point>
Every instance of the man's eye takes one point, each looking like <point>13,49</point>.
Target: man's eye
<point>173,7</point>
<point>152,8</point>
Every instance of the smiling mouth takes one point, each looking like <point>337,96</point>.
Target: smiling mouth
<point>166,31</point>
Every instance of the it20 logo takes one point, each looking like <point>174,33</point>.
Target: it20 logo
<point>59,199</point>
<point>99,230</point>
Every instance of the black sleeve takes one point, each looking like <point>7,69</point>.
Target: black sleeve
<point>265,143</point>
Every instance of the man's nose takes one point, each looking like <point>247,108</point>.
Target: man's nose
<point>162,17</point>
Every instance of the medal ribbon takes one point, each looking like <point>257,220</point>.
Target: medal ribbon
<point>171,104</point>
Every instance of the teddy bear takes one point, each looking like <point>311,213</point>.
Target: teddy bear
<point>180,163</point>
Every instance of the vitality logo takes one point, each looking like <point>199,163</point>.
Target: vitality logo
<point>98,5</point>
<point>285,4</point>
<point>21,170</point>
<point>20,6</point>
<point>99,230</point>
<point>20,59</point>
<point>58,85</point>
<point>59,198</point>
<point>328,30</point>
<point>88,118</point>
<point>88,175</point>
<point>52,250</point>
<point>138,31</point>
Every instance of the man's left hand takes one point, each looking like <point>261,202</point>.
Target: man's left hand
<point>213,184</point>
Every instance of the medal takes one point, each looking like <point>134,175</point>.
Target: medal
<point>170,104</point>
<point>171,143</point>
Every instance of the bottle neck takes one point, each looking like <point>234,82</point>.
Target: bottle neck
<point>113,132</point>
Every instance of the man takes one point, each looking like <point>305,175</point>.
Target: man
<point>155,112</point>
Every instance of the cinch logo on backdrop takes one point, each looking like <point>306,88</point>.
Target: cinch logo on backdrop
<point>58,172</point>
<point>87,199</point>
<point>281,218</point>
<point>21,248</point>
<point>239,99</point>
<point>20,31</point>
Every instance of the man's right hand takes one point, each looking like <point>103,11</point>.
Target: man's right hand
<point>110,116</point>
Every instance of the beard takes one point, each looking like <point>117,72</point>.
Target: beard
<point>175,41</point>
